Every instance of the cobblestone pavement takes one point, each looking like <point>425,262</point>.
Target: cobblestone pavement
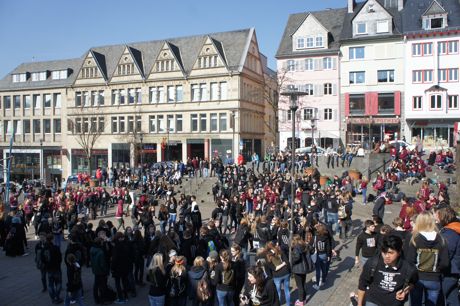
<point>20,280</point>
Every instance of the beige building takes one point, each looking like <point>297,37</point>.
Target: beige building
<point>197,96</point>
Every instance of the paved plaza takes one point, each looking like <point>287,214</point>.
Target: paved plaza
<point>20,280</point>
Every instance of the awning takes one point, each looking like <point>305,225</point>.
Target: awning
<point>327,134</point>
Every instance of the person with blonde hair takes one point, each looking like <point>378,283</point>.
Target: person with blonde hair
<point>156,275</point>
<point>195,274</point>
<point>225,279</point>
<point>427,250</point>
<point>177,284</point>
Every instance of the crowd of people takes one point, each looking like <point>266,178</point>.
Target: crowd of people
<point>244,253</point>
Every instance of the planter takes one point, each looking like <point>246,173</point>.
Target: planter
<point>323,180</point>
<point>354,174</point>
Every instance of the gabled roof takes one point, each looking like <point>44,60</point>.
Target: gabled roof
<point>72,64</point>
<point>434,9</point>
<point>436,88</point>
<point>220,50</point>
<point>331,20</point>
<point>414,10</point>
<point>176,54</point>
<point>107,59</point>
<point>100,62</point>
<point>137,56</point>
<point>347,31</point>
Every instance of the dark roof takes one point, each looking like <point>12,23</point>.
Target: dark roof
<point>436,88</point>
<point>347,31</point>
<point>331,19</point>
<point>232,47</point>
<point>72,64</point>
<point>434,9</point>
<point>414,9</point>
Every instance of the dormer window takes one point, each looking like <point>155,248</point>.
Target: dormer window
<point>59,75</point>
<point>319,41</point>
<point>310,42</point>
<point>382,26</point>
<point>300,43</point>
<point>38,76</point>
<point>436,23</point>
<point>19,78</point>
<point>361,28</point>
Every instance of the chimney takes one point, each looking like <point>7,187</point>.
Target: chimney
<point>400,5</point>
<point>351,6</point>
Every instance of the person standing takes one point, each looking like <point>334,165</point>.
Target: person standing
<point>366,243</point>
<point>225,279</point>
<point>255,162</point>
<point>74,283</point>
<point>156,276</point>
<point>100,269</point>
<point>427,250</point>
<point>386,279</point>
<point>330,156</point>
<point>39,248</point>
<point>52,259</point>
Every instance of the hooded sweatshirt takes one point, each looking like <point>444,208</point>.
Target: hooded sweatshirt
<point>451,233</point>
<point>424,242</point>
<point>194,276</point>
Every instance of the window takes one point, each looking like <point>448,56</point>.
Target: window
<point>170,123</point>
<point>453,47</point>
<point>448,75</point>
<point>47,100</point>
<point>130,124</point>
<point>27,101</point>
<point>161,124</point>
<point>327,63</point>
<point>307,113</point>
<point>309,64</point>
<point>309,89</point>
<point>290,65</point>
<point>171,90</point>
<point>122,96</point>
<point>357,77</point>
<point>356,53</point>
<point>86,99</point>
<point>195,92</point>
<point>223,121</point>
<point>138,123</point>
<point>453,102</point>
<point>310,42</point>
<point>213,118</point>
<point>179,93</point>
<point>436,102</point>
<point>357,104</point>
<point>223,90</point>
<point>89,72</point>
<point>386,103</point>
<point>131,95</point>
<point>382,26</point>
<point>47,126</point>
<point>328,114</point>
<point>328,89</point>
<point>214,91</point>
<point>300,43</point>
<point>6,102</point>
<point>26,126</point>
<point>203,122</point>
<point>319,41</point>
<point>152,123</point>
<point>386,76</point>
<point>448,47</point>
<point>179,126</point>
<point>78,99</point>
<point>16,102</point>
<point>121,124</point>
<point>203,92</point>
<point>416,103</point>
<point>37,99</point>
<point>115,97</point>
<point>19,78</point>
<point>361,28</point>
<point>59,75</point>
<point>57,126</point>
<point>422,76</point>
<point>38,76</point>
<point>194,122</point>
<point>289,115</point>
<point>36,126</point>
<point>422,49</point>
<point>436,23</point>
<point>85,125</point>
<point>114,125</point>
<point>78,125</point>
<point>157,94</point>
<point>101,125</point>
<point>57,100</point>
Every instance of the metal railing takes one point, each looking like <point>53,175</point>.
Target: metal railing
<point>381,167</point>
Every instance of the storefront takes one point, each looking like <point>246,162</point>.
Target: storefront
<point>148,153</point>
<point>219,147</point>
<point>171,150</point>
<point>99,158</point>
<point>195,148</point>
<point>25,164</point>
<point>434,133</point>
<point>365,131</point>
<point>250,146</point>
<point>120,155</point>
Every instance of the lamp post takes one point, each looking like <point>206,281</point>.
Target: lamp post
<point>233,133</point>
<point>293,95</point>
<point>141,137</point>
<point>42,166</point>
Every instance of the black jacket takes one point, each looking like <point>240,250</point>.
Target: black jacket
<point>158,282</point>
<point>268,296</point>
<point>194,275</point>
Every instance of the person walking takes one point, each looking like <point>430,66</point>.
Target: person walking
<point>74,282</point>
<point>52,259</point>
<point>366,243</point>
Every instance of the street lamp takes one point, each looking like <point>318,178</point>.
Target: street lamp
<point>293,95</point>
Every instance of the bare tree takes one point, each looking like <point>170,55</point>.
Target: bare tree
<point>87,124</point>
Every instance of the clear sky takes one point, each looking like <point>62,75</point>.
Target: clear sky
<point>40,30</point>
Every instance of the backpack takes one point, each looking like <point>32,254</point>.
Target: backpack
<point>228,277</point>
<point>211,247</point>
<point>342,212</point>
<point>203,290</point>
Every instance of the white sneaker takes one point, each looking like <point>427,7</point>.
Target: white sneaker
<point>316,287</point>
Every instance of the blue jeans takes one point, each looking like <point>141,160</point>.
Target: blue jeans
<point>57,240</point>
<point>76,296</point>
<point>425,288</point>
<point>283,280</point>
<point>364,191</point>
<point>450,290</point>
<point>157,300</point>
<point>54,284</point>
<point>322,268</point>
<point>172,219</point>
<point>225,298</point>
<point>163,226</point>
<point>333,220</point>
